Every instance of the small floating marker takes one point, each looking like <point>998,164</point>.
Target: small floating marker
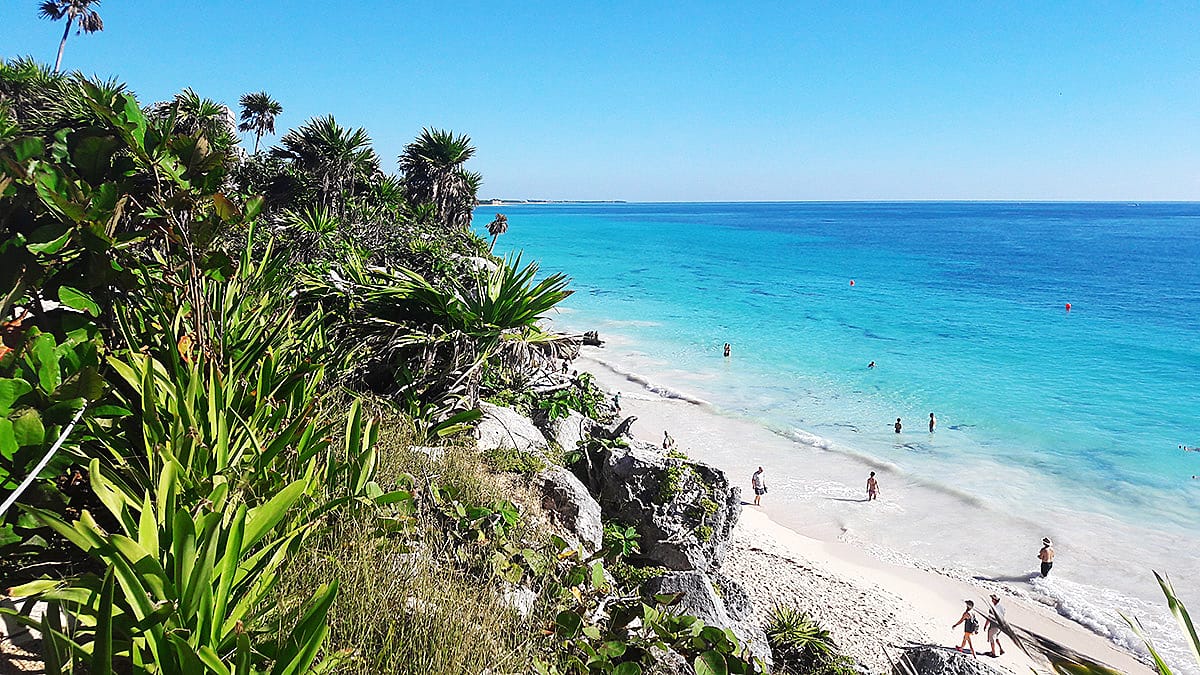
<point>851,282</point>
<point>1068,306</point>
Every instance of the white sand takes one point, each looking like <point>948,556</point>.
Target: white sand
<point>867,603</point>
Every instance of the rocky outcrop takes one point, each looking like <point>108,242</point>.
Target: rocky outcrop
<point>569,431</point>
<point>684,511</point>
<point>592,339</point>
<point>614,433</point>
<point>940,661</point>
<point>502,427</point>
<point>572,507</point>
<point>698,599</point>
<point>735,597</point>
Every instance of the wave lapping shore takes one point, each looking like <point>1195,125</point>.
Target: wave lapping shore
<point>871,597</point>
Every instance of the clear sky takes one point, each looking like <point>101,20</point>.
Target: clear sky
<point>703,101</point>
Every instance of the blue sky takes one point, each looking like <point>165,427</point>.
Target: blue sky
<point>703,101</point>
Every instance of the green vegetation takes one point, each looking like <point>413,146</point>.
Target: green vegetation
<point>247,358</point>
<point>801,646</point>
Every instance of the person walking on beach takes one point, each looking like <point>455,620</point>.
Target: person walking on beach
<point>564,370</point>
<point>759,485</point>
<point>872,487</point>
<point>1046,555</point>
<point>898,425</point>
<point>992,626</point>
<point>932,422</point>
<point>970,626</point>
<point>617,401</point>
<point>668,442</point>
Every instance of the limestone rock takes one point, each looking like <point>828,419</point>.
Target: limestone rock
<point>572,507</point>
<point>698,599</point>
<point>941,661</point>
<point>502,427</point>
<point>684,511</point>
<point>592,339</point>
<point>735,597</point>
<point>569,431</point>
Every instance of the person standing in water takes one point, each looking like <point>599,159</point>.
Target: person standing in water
<point>759,485</point>
<point>871,364</point>
<point>727,350</point>
<point>932,422</point>
<point>872,487</point>
<point>1046,555</point>
<point>898,425</point>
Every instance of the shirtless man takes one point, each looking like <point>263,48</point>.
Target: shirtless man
<point>932,422</point>
<point>872,487</point>
<point>1046,555</point>
<point>898,425</point>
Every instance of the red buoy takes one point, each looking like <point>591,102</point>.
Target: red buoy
<point>851,282</point>
<point>1068,306</point>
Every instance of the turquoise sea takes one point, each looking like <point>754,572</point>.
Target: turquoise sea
<point>1048,419</point>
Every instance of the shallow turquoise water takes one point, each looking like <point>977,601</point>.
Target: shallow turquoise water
<point>1051,415</point>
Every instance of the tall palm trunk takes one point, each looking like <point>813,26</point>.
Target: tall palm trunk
<point>494,238</point>
<point>63,45</point>
<point>257,138</point>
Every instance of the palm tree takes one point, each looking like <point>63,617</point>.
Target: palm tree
<point>433,173</point>
<point>258,115</point>
<point>336,157</point>
<point>72,10</point>
<point>497,227</point>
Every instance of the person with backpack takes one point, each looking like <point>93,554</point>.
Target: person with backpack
<point>970,627</point>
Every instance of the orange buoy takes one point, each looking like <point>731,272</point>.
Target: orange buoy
<point>1068,306</point>
<point>851,282</point>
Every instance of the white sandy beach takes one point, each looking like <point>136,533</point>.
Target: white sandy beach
<point>868,603</point>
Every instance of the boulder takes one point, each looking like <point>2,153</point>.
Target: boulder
<point>502,427</point>
<point>698,599</point>
<point>569,431</point>
<point>592,339</point>
<point>941,661</point>
<point>734,596</point>
<point>572,507</point>
<point>684,511</point>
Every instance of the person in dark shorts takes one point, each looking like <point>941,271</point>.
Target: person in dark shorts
<point>872,487</point>
<point>970,626</point>
<point>932,422</point>
<point>898,425</point>
<point>759,485</point>
<point>1046,555</point>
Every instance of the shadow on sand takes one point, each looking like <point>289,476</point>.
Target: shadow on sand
<point>847,499</point>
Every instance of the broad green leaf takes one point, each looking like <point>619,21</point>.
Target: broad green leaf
<point>710,663</point>
<point>49,239</point>
<point>305,641</point>
<point>627,668</point>
<point>46,360</point>
<point>28,428</point>
<point>77,299</point>
<point>8,441</point>
<point>12,389</point>
<point>26,148</point>
<point>567,624</point>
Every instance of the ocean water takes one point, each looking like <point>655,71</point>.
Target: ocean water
<point>1050,422</point>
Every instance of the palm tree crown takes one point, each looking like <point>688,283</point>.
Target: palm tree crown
<point>335,156</point>
<point>433,173</point>
<point>259,111</point>
<point>79,12</point>
<point>497,227</point>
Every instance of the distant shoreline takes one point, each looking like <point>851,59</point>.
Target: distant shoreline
<point>518,202</point>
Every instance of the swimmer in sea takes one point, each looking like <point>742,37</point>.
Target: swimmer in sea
<point>727,349</point>
<point>932,422</point>
<point>898,425</point>
<point>871,364</point>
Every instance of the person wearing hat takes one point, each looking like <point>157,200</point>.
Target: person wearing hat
<point>992,624</point>
<point>1046,555</point>
<point>970,626</point>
